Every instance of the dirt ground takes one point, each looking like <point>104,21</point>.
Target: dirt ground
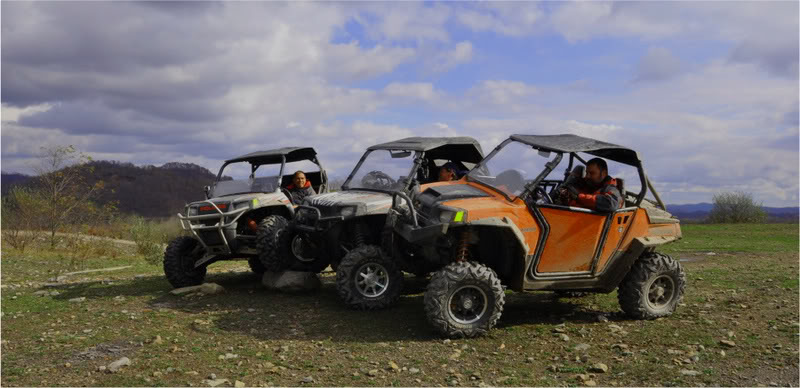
<point>737,326</point>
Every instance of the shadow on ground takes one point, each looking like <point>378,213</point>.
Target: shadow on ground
<point>247,307</point>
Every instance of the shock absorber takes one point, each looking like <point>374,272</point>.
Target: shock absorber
<point>462,252</point>
<point>359,235</point>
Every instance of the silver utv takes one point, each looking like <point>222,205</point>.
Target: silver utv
<point>241,216</point>
<point>344,229</point>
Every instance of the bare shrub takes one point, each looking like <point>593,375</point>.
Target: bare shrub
<point>19,218</point>
<point>148,240</point>
<point>61,190</point>
<point>736,207</point>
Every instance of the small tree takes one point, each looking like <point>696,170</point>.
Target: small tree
<point>736,207</point>
<point>19,213</point>
<point>62,191</point>
<point>148,240</point>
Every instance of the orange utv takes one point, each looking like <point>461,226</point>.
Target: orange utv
<point>506,225</point>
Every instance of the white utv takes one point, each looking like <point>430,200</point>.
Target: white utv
<point>243,211</point>
<point>345,229</point>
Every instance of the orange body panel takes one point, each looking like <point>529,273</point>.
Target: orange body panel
<point>638,228</point>
<point>572,242</point>
<point>497,206</point>
<point>620,223</point>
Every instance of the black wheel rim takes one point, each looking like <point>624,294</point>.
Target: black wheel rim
<point>299,250</point>
<point>660,292</point>
<point>190,256</point>
<point>468,304</point>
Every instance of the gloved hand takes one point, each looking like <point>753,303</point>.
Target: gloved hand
<point>587,200</point>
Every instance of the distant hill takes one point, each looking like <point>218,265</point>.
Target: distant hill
<point>699,212</point>
<point>11,179</point>
<point>144,190</point>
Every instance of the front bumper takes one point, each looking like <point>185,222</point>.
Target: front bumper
<point>310,220</point>
<point>408,227</point>
<point>217,239</point>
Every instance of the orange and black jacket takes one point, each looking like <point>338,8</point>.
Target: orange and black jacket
<point>298,193</point>
<point>605,199</point>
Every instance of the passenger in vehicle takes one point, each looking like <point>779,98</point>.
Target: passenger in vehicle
<point>596,191</point>
<point>449,172</point>
<point>300,187</point>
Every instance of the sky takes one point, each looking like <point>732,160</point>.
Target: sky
<point>706,92</point>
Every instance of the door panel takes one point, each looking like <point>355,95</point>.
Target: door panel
<point>572,241</point>
<point>619,226</point>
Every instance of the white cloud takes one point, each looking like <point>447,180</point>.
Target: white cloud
<point>12,114</point>
<point>448,59</point>
<point>498,96</point>
<point>507,18</point>
<point>657,64</point>
<point>422,91</point>
<point>403,21</point>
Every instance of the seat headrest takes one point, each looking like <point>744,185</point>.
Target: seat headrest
<point>579,171</point>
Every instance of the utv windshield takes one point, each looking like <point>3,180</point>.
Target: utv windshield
<point>511,167</point>
<point>382,170</point>
<point>239,178</point>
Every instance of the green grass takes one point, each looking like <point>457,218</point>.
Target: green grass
<point>739,289</point>
<point>736,238</point>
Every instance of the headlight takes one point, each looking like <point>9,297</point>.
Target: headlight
<point>191,211</point>
<point>348,211</point>
<point>452,215</point>
<point>446,216</point>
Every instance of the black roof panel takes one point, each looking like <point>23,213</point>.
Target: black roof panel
<point>293,154</point>
<point>462,148</point>
<point>575,143</point>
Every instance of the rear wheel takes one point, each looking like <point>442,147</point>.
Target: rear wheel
<point>367,280</point>
<point>464,300</point>
<point>269,230</point>
<point>653,287</point>
<point>179,259</point>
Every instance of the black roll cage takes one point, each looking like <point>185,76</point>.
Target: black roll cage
<point>551,165</point>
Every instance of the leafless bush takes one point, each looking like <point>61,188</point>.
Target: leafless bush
<point>736,207</point>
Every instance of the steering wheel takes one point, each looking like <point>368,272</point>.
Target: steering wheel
<point>541,197</point>
<point>288,195</point>
<point>377,180</point>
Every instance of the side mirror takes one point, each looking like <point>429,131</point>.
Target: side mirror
<point>545,154</point>
<point>207,190</point>
<point>401,154</point>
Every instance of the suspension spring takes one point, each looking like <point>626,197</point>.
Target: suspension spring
<point>359,235</point>
<point>462,253</point>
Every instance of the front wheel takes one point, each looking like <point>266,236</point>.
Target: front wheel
<point>300,252</point>
<point>256,266</point>
<point>269,230</point>
<point>464,300</point>
<point>367,280</point>
<point>179,259</point>
<point>653,287</point>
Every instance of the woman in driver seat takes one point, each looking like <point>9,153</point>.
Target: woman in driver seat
<point>300,187</point>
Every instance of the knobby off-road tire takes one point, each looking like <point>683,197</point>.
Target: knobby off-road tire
<point>653,287</point>
<point>179,259</point>
<point>269,230</point>
<point>464,299</point>
<point>256,266</point>
<point>290,247</point>
<point>366,279</point>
